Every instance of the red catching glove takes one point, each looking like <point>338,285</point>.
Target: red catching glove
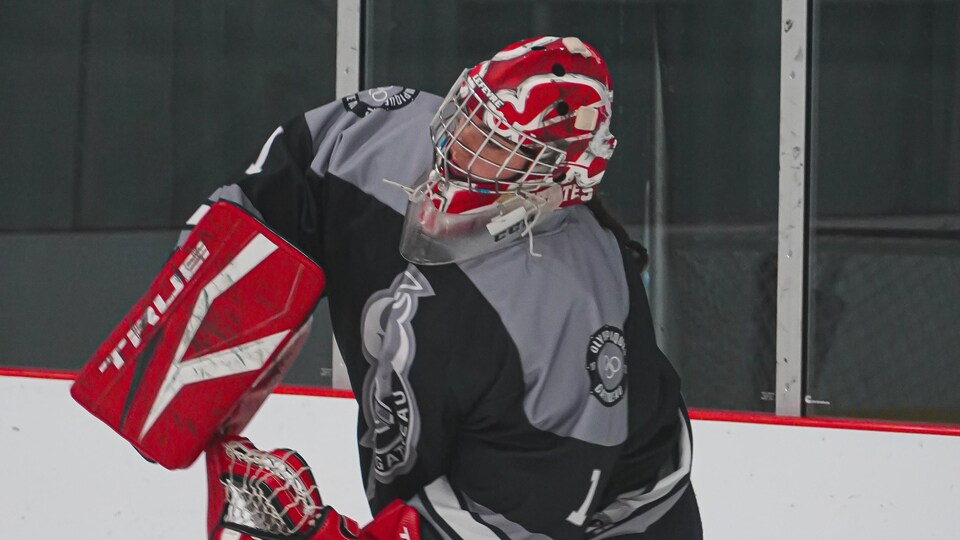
<point>253,494</point>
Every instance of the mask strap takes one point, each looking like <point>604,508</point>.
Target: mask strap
<point>528,225</point>
<point>411,192</point>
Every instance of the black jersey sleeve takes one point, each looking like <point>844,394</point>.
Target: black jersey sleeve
<point>281,187</point>
<point>318,182</point>
<point>652,471</point>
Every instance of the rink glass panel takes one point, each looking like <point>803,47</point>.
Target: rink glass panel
<point>117,122</point>
<point>694,176</point>
<point>120,120</point>
<point>884,257</point>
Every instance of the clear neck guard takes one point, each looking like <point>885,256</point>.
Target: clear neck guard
<point>432,237</point>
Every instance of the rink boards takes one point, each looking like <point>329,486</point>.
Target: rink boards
<point>67,475</point>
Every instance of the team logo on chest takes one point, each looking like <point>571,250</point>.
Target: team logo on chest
<point>364,103</point>
<point>389,405</point>
<point>607,365</point>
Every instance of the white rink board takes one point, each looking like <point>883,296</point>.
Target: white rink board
<point>65,475</point>
<point>768,482</point>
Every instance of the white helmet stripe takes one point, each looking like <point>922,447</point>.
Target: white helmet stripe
<point>519,97</point>
<point>523,49</point>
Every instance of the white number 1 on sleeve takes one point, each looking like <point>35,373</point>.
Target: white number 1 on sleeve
<point>257,166</point>
<point>578,517</point>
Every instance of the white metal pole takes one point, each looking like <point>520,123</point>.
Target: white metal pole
<point>792,216</point>
<point>348,47</point>
<point>348,82</point>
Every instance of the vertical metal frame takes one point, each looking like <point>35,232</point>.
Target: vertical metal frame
<point>348,47</point>
<point>349,21</point>
<point>792,216</point>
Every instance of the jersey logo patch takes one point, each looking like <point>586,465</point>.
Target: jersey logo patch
<point>607,365</point>
<point>364,103</point>
<point>389,405</point>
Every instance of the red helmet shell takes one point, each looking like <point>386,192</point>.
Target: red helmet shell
<point>555,91</point>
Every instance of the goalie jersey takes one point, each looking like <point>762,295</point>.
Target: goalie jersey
<point>507,396</point>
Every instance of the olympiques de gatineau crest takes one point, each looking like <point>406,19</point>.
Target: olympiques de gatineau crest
<point>389,405</point>
<point>607,365</point>
<point>390,99</point>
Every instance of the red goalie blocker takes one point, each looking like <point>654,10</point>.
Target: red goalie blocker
<point>207,343</point>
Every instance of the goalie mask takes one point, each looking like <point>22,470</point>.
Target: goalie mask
<point>516,137</point>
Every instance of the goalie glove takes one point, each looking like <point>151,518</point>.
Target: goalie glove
<point>259,495</point>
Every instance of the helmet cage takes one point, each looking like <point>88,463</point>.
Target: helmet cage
<point>465,105</point>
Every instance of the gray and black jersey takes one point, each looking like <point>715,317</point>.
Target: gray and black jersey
<point>507,396</point>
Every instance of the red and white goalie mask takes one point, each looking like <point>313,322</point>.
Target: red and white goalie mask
<point>516,137</point>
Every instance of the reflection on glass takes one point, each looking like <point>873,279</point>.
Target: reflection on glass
<point>125,117</point>
<point>695,173</point>
<point>884,340</point>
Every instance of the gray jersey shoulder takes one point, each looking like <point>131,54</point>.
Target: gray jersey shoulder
<point>376,134</point>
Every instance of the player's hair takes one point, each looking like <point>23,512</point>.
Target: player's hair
<point>609,222</point>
